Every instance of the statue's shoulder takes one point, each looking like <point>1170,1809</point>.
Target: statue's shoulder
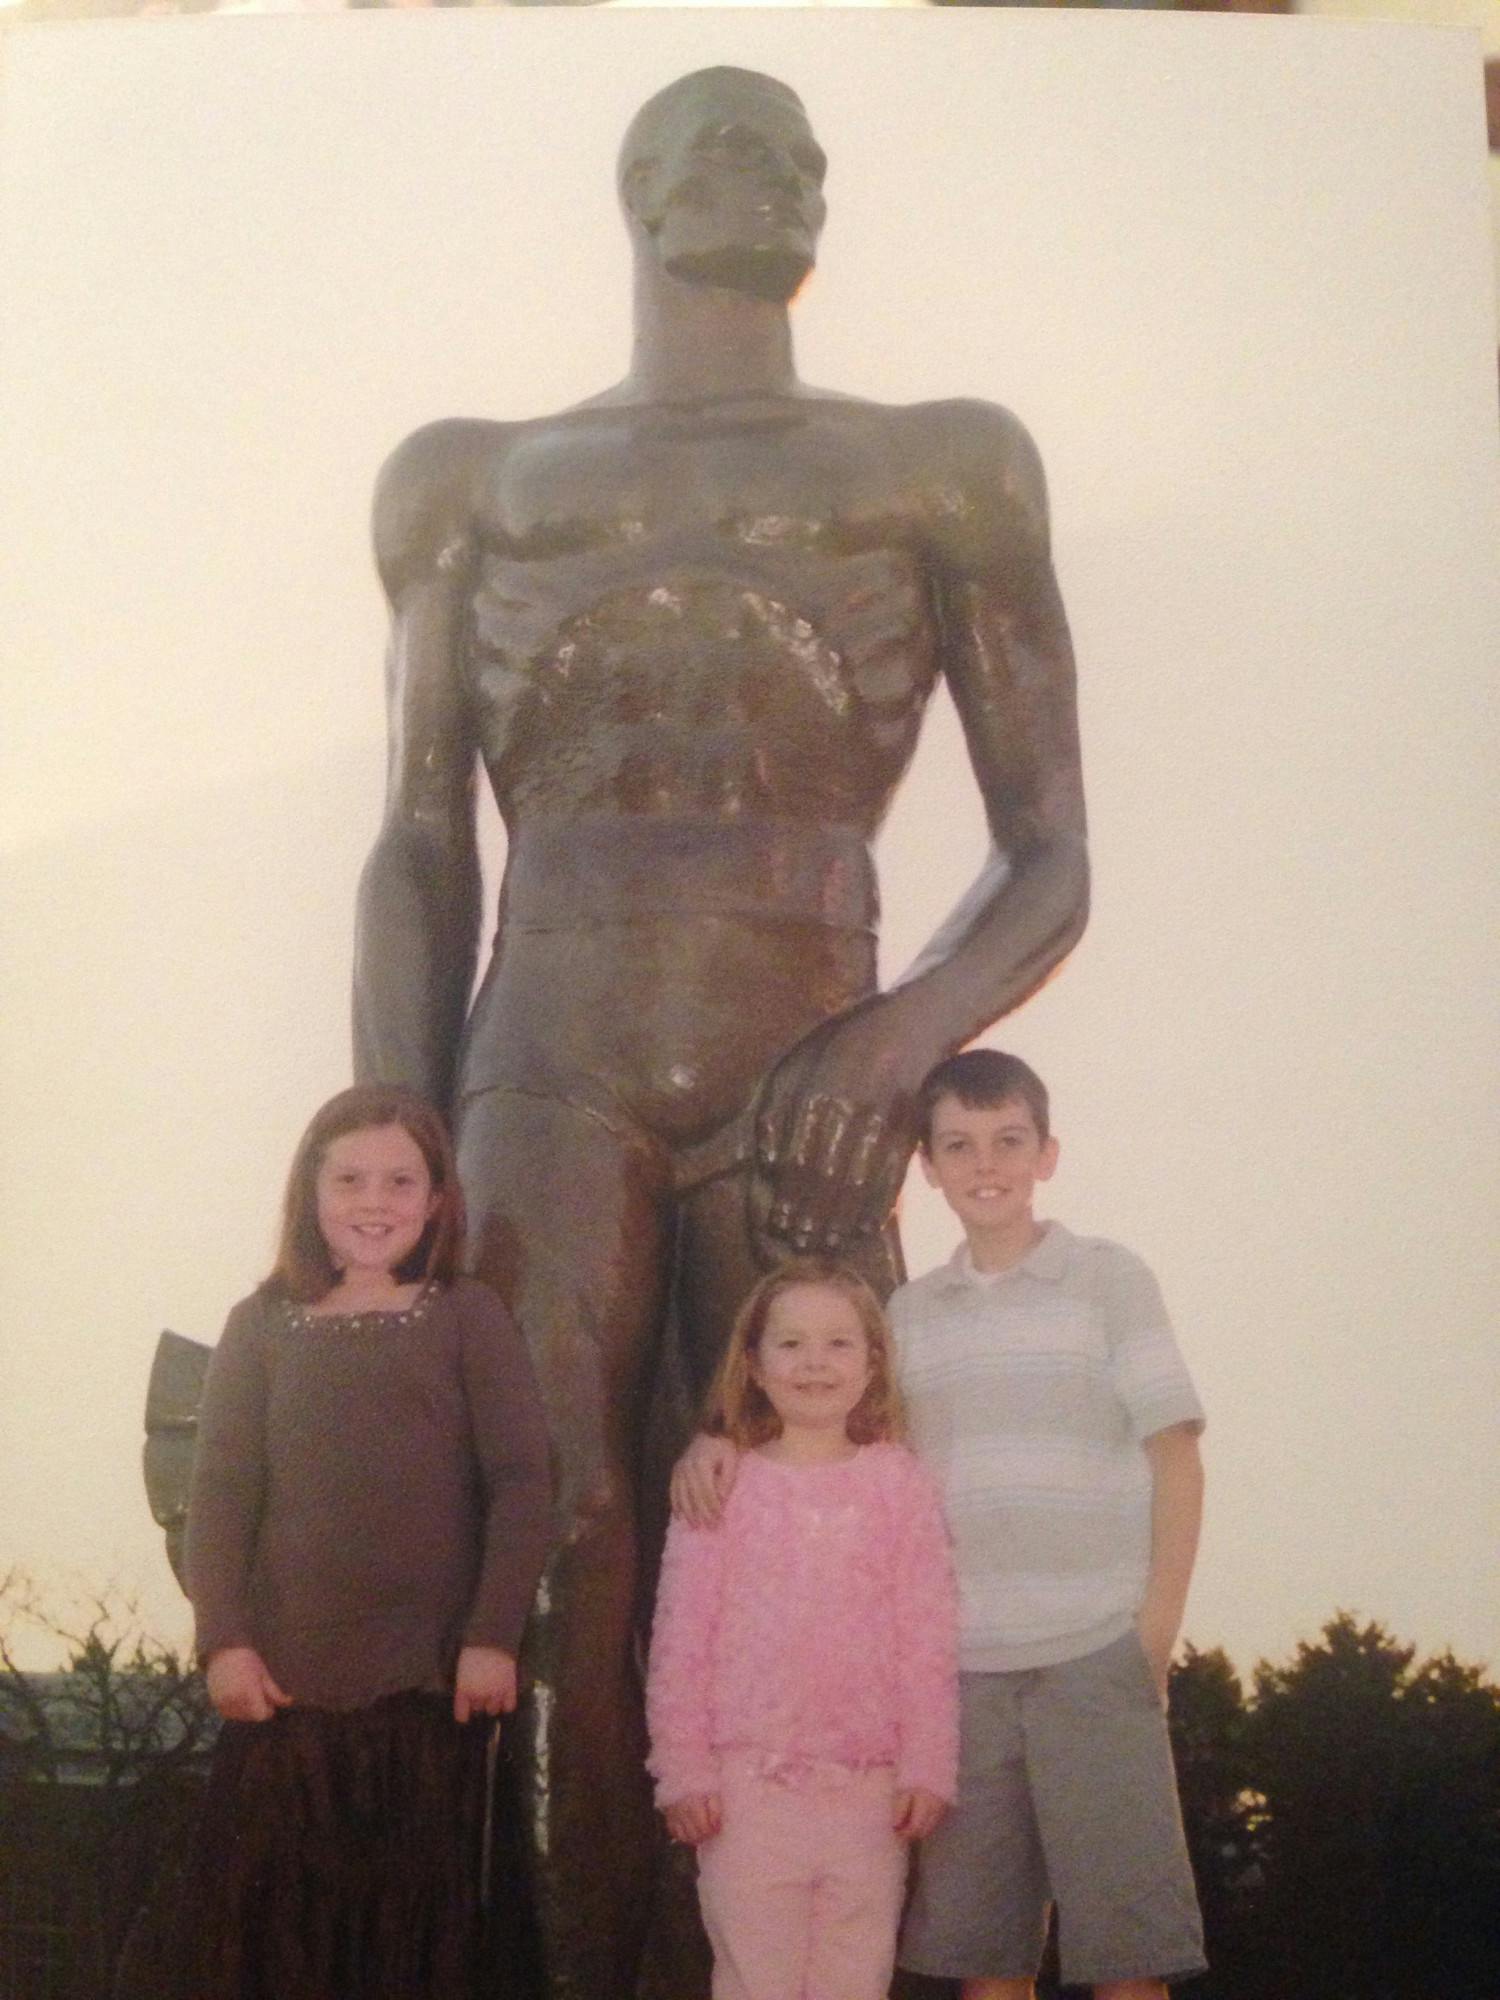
<point>982,454</point>
<point>428,490</point>
<point>972,433</point>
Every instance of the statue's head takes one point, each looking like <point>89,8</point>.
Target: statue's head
<point>722,181</point>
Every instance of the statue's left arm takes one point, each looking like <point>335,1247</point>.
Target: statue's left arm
<point>417,921</point>
<point>836,1121</point>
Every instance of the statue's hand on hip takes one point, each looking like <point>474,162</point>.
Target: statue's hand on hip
<point>834,1132</point>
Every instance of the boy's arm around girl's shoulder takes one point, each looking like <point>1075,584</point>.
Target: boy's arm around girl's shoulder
<point>926,1609</point>
<point>228,1482</point>
<point>508,1429</point>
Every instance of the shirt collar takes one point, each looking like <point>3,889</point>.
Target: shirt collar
<point>1047,1259</point>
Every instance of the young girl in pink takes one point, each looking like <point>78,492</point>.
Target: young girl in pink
<point>368,1519</point>
<point>801,1695</point>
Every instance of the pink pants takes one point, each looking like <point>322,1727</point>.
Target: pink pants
<point>801,1890</point>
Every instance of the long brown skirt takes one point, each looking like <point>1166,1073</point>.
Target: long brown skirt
<point>339,1857</point>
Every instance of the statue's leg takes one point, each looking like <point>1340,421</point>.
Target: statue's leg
<point>570,1220</point>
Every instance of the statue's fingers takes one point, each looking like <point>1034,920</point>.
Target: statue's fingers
<point>776,1119</point>
<point>770,1201</point>
<point>804,1178</point>
<point>759,1193</point>
<point>779,1212</point>
<point>807,1127</point>
<point>860,1207</point>
<point>794,1178</point>
<point>768,1134</point>
<point>865,1152</point>
<point>783,1102</point>
<point>766,1216</point>
<point>815,1192</point>
<point>837,1126</point>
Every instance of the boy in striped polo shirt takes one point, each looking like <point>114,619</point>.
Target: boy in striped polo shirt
<point>1044,1388</point>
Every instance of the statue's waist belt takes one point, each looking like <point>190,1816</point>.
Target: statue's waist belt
<point>597,868</point>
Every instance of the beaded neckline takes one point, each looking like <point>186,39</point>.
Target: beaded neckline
<point>370,1317</point>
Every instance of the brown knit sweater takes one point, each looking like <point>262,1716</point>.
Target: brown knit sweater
<point>370,1492</point>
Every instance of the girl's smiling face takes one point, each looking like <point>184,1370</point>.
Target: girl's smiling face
<point>813,1361</point>
<point>375,1197</point>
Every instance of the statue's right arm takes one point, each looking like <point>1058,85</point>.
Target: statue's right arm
<point>417,921</point>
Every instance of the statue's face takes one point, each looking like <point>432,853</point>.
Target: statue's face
<point>729,190</point>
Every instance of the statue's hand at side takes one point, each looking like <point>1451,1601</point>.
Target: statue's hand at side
<point>834,1131</point>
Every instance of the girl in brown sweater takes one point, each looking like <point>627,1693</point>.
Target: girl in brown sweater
<point>367,1525</point>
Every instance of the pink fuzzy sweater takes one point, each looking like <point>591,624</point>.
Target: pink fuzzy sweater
<point>815,1627</point>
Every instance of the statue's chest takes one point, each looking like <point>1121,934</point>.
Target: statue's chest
<point>710,636</point>
<point>742,587</point>
<point>776,482</point>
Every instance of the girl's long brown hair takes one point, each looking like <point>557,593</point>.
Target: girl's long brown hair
<point>739,1409</point>
<point>303,1269</point>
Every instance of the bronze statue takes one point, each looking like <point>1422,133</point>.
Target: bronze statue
<point>690,628</point>
<point>173,1394</point>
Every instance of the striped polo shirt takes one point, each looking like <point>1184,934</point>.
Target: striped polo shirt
<point>1029,1393</point>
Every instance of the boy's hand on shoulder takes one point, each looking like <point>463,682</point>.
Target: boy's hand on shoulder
<point>484,1683</point>
<point>917,1812</point>
<point>696,1818</point>
<point>241,1686</point>
<point>702,1480</point>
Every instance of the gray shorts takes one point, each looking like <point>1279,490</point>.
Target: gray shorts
<point>1066,1793</point>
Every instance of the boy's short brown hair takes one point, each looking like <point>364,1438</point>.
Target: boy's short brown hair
<point>980,1079</point>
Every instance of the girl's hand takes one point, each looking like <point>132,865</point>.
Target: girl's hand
<point>240,1686</point>
<point>485,1683</point>
<point>702,1478</point>
<point>696,1818</point>
<point>917,1812</point>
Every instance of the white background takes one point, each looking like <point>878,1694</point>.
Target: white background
<point>1232,272</point>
